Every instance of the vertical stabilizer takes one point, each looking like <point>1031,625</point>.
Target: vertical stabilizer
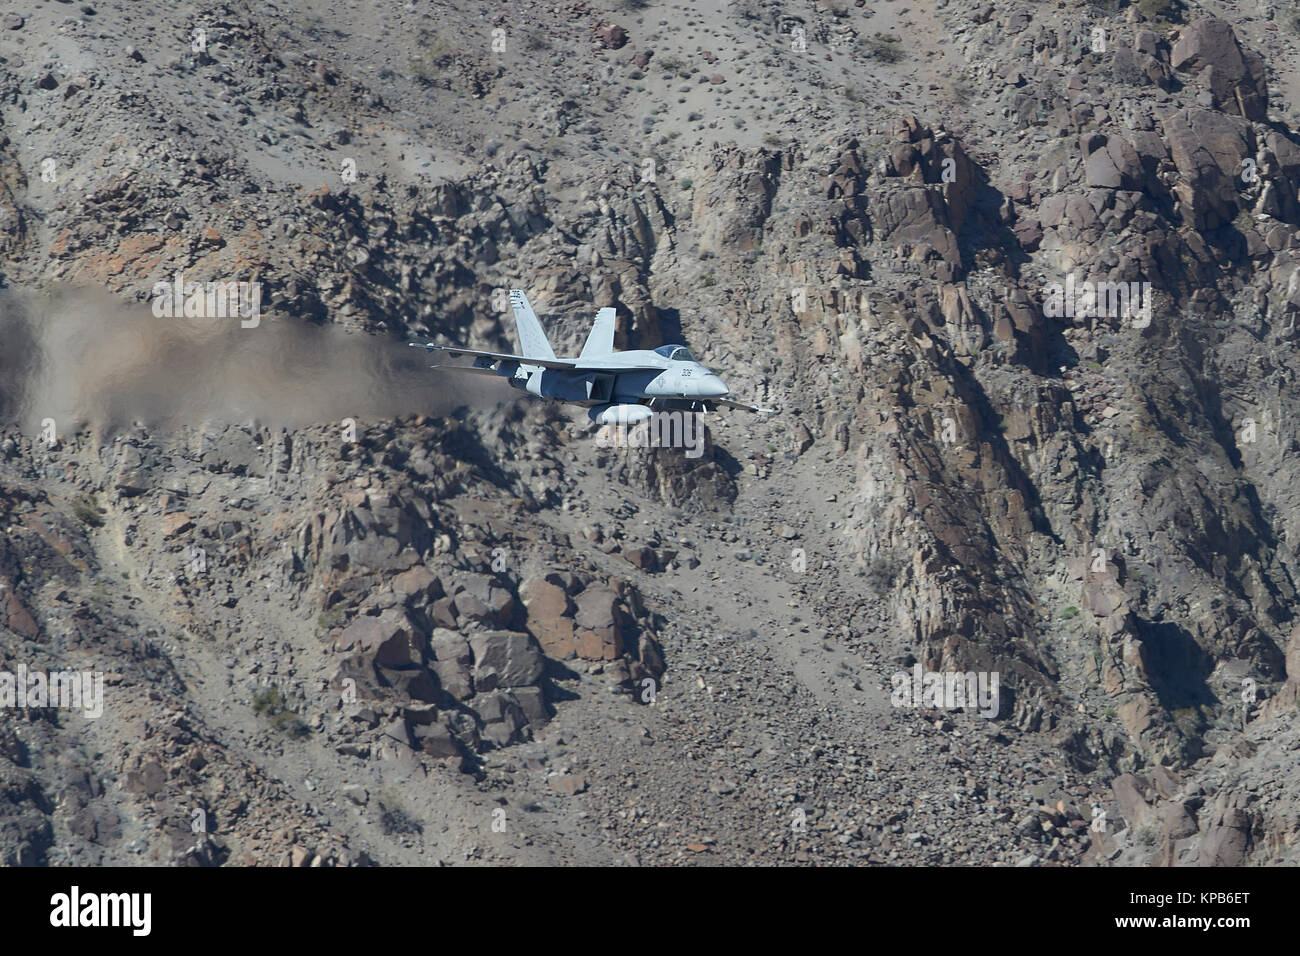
<point>532,340</point>
<point>601,339</point>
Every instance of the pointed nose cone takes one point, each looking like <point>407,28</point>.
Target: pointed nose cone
<point>713,387</point>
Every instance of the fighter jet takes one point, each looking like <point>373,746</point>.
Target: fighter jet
<point>618,388</point>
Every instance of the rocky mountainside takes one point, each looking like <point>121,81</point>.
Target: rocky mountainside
<point>1021,280</point>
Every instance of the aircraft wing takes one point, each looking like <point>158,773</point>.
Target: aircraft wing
<point>472,369</point>
<point>729,403</point>
<point>568,365</point>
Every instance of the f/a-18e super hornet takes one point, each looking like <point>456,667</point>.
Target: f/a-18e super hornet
<point>619,388</point>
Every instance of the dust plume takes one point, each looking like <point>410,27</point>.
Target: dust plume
<point>83,357</point>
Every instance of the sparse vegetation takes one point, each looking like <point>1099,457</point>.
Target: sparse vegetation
<point>963,90</point>
<point>881,574</point>
<point>270,703</point>
<point>883,47</point>
<point>326,621</point>
<point>1189,720</point>
<point>1155,9</point>
<point>394,818</point>
<point>266,700</point>
<point>433,57</point>
<point>1069,613</point>
<point>88,512</point>
<point>289,724</point>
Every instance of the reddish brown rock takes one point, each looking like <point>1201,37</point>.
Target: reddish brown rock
<point>599,625</point>
<point>550,618</point>
<point>611,36</point>
<point>15,616</point>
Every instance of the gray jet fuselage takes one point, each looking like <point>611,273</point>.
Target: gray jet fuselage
<point>681,379</point>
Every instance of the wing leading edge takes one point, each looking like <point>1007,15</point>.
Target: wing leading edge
<point>568,365</point>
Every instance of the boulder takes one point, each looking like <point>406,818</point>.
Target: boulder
<point>1227,839</point>
<point>1208,148</point>
<point>1141,65</point>
<point>643,559</point>
<point>389,640</point>
<point>1293,656</point>
<point>1236,78</point>
<point>550,617</point>
<point>915,215</point>
<point>569,784</point>
<point>436,740</point>
<point>1178,821</point>
<point>443,613</point>
<point>1135,798</point>
<point>1111,162</point>
<point>399,730</point>
<point>374,530</point>
<point>483,599</point>
<point>532,701</point>
<point>1102,594</point>
<point>599,625</point>
<point>652,656</point>
<point>504,721</point>
<point>133,474</point>
<point>504,659</point>
<point>14,614</point>
<point>611,36</point>
<point>416,587</point>
<point>453,663</point>
<point>412,683</point>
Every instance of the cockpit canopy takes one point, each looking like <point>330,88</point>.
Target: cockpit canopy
<point>675,353</point>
